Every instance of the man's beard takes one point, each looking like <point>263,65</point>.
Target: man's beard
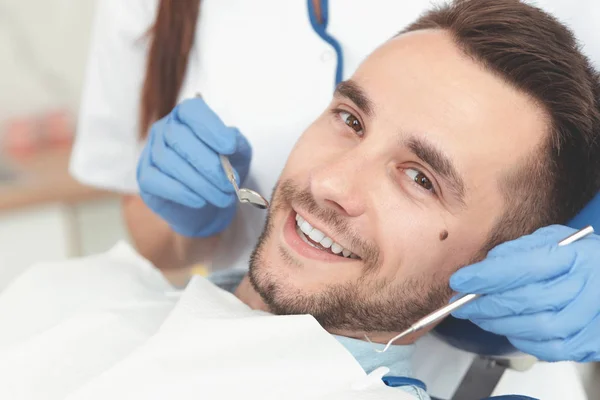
<point>369,304</point>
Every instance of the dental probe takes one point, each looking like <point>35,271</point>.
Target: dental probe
<point>443,312</point>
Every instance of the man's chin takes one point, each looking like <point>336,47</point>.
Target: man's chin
<point>288,280</point>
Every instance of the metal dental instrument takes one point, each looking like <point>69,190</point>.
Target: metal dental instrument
<point>467,298</point>
<point>244,195</point>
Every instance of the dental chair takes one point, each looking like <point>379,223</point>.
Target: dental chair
<point>495,353</point>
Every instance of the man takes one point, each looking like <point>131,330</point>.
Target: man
<point>478,124</point>
<point>473,127</point>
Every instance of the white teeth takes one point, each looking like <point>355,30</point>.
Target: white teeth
<point>336,248</point>
<point>306,227</point>
<point>316,235</point>
<point>306,231</point>
<point>326,242</point>
<point>305,239</point>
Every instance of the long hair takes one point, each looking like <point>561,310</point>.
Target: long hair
<point>172,37</point>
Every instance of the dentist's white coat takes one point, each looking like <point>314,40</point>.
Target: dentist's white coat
<point>262,68</point>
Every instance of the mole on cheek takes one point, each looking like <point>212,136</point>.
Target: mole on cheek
<point>443,235</point>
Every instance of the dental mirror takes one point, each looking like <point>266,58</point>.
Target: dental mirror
<point>244,195</point>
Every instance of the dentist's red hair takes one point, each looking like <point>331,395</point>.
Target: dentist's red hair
<point>171,39</point>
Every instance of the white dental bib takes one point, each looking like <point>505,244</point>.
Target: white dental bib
<point>209,345</point>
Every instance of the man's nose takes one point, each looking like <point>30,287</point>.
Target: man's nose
<point>339,185</point>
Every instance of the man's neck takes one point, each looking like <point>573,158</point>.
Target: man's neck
<point>246,293</point>
<point>377,337</point>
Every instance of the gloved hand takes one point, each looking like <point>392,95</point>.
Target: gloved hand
<point>544,298</point>
<point>179,172</point>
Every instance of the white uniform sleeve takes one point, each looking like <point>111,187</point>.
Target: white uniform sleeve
<point>107,143</point>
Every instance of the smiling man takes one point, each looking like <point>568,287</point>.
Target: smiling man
<point>477,124</point>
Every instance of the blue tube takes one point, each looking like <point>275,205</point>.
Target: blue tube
<point>398,381</point>
<point>320,27</point>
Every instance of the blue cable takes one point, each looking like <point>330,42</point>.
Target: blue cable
<point>321,29</point>
<point>398,381</point>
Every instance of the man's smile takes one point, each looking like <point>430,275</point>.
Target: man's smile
<point>310,242</point>
<point>318,239</point>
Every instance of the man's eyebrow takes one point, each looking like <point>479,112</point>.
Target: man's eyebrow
<point>356,94</point>
<point>440,163</point>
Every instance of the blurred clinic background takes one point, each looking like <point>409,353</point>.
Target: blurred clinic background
<point>44,214</point>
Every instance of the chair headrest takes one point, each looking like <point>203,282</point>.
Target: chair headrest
<point>590,215</point>
<point>469,337</point>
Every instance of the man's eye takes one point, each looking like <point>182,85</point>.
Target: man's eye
<point>420,179</point>
<point>351,121</point>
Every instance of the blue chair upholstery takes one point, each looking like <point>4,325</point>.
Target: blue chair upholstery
<point>590,215</point>
<point>469,337</point>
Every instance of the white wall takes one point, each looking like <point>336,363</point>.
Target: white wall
<point>43,48</point>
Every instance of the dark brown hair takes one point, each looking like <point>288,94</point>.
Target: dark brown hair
<point>535,53</point>
<point>172,37</point>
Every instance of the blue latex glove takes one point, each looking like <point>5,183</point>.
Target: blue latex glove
<point>179,173</point>
<point>544,298</point>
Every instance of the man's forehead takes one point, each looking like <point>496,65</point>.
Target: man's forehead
<point>426,65</point>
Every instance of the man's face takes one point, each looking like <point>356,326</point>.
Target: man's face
<point>403,172</point>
